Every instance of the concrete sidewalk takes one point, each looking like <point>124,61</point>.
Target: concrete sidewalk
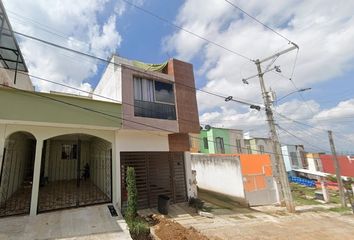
<point>89,223</point>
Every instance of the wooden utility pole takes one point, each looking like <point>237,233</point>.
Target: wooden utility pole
<point>337,167</point>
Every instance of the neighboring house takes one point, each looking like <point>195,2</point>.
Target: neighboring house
<point>314,169</point>
<point>346,164</point>
<point>13,70</point>
<point>246,178</point>
<point>62,151</point>
<point>221,140</point>
<point>294,157</point>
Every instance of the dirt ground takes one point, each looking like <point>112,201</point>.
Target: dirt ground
<point>168,229</point>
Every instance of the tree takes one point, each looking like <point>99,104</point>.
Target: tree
<point>132,207</point>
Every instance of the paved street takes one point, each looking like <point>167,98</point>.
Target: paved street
<point>87,223</point>
<point>268,223</point>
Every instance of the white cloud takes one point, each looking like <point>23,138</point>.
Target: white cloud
<point>82,25</point>
<point>323,31</point>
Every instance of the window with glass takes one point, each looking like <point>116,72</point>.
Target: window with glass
<point>69,151</point>
<point>219,143</point>
<point>205,141</point>
<point>238,146</point>
<point>293,158</point>
<point>154,99</point>
<point>261,149</point>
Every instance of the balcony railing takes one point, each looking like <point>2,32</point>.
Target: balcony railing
<point>154,110</point>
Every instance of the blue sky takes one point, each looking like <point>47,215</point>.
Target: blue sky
<point>323,31</point>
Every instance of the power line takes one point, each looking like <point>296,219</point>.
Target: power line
<point>134,69</point>
<point>255,19</point>
<point>186,30</point>
<point>293,135</point>
<point>118,117</point>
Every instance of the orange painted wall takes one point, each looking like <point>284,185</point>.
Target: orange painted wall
<point>253,165</point>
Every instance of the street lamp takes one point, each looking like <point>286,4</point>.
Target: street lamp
<point>299,90</point>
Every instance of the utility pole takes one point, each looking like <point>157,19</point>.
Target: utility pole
<point>336,165</point>
<point>279,165</point>
<point>283,177</point>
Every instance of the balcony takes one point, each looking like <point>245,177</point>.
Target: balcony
<point>154,110</point>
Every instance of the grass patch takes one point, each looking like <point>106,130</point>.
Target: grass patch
<point>249,216</point>
<point>340,209</point>
<point>303,195</point>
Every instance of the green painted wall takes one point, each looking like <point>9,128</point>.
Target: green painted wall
<point>211,135</point>
<point>25,106</point>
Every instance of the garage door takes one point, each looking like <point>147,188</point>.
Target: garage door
<point>156,173</point>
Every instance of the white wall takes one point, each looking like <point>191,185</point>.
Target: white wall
<point>236,135</point>
<point>110,85</point>
<point>65,169</point>
<point>221,174</point>
<point>131,140</point>
<point>22,80</point>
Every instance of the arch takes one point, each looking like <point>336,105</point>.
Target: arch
<point>76,170</point>
<point>54,135</point>
<point>16,174</point>
<point>24,132</point>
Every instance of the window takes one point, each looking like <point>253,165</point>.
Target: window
<point>68,151</point>
<point>304,161</point>
<point>164,92</point>
<point>238,146</point>
<point>249,150</point>
<point>205,141</point>
<point>293,159</point>
<point>318,164</point>
<point>261,149</point>
<point>219,142</point>
<point>154,99</point>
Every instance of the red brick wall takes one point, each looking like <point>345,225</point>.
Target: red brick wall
<point>186,100</point>
<point>178,142</point>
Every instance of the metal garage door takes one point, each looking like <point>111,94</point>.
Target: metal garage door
<point>156,173</point>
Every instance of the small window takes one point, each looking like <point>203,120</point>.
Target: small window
<point>68,151</point>
<point>238,146</point>
<point>261,149</point>
<point>219,142</point>
<point>205,141</point>
<point>293,158</point>
<point>164,92</point>
<point>249,150</point>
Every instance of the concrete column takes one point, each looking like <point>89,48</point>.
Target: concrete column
<point>2,142</point>
<point>116,178</point>
<point>324,191</point>
<point>188,171</point>
<point>36,177</point>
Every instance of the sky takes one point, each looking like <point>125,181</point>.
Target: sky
<point>323,30</point>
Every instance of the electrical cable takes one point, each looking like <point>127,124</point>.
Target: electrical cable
<point>125,66</point>
<point>255,19</point>
<point>121,118</point>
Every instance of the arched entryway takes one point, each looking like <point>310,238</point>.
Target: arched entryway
<point>16,174</point>
<point>75,171</point>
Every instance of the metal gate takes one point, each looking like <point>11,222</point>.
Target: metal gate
<point>16,174</point>
<point>156,173</point>
<point>74,174</point>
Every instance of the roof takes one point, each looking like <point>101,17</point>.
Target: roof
<point>10,54</point>
<point>317,173</point>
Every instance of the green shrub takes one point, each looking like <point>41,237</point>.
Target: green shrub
<point>138,227</point>
<point>132,203</point>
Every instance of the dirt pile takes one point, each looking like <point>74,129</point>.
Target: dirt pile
<point>168,229</point>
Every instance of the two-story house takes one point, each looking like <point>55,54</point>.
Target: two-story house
<point>61,151</point>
